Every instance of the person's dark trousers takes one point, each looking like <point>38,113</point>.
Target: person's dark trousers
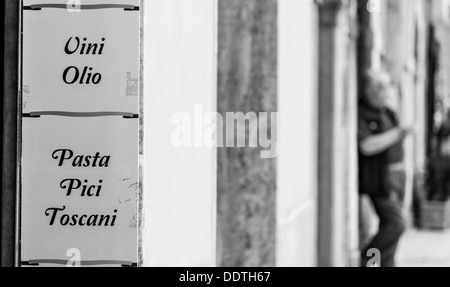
<point>392,226</point>
<point>441,178</point>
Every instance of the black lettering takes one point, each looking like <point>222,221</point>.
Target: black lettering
<point>114,218</point>
<point>83,75</point>
<point>65,154</point>
<point>87,161</point>
<point>75,77</point>
<point>73,184</point>
<point>96,78</point>
<point>92,220</point>
<point>93,47</point>
<point>83,46</point>
<point>89,191</point>
<point>104,217</point>
<point>104,162</point>
<point>81,223</point>
<point>64,220</point>
<point>99,188</point>
<point>55,211</point>
<point>96,158</point>
<point>83,193</point>
<point>100,52</point>
<point>74,220</point>
<point>77,161</point>
<point>67,49</point>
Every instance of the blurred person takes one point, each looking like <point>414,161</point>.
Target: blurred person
<point>381,169</point>
<point>440,163</point>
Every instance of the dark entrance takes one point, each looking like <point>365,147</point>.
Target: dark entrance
<point>9,155</point>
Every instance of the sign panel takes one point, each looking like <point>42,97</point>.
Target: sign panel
<point>80,133</point>
<point>80,61</point>
<point>79,188</point>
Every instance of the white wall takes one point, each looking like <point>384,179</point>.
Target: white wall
<point>297,162</point>
<point>345,161</point>
<point>179,184</point>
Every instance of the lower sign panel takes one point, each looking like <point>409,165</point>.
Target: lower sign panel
<point>79,191</point>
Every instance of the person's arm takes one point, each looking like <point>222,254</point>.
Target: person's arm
<point>377,144</point>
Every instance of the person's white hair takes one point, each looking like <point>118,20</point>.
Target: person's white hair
<point>378,78</point>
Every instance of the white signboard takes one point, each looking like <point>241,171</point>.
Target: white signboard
<point>80,61</point>
<point>80,133</point>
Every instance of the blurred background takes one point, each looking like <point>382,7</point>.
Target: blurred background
<point>310,213</point>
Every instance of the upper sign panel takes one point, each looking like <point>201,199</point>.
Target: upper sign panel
<point>84,61</point>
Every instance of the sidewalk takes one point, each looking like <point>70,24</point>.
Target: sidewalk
<point>425,248</point>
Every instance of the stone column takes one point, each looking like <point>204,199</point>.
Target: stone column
<point>328,13</point>
<point>247,82</point>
